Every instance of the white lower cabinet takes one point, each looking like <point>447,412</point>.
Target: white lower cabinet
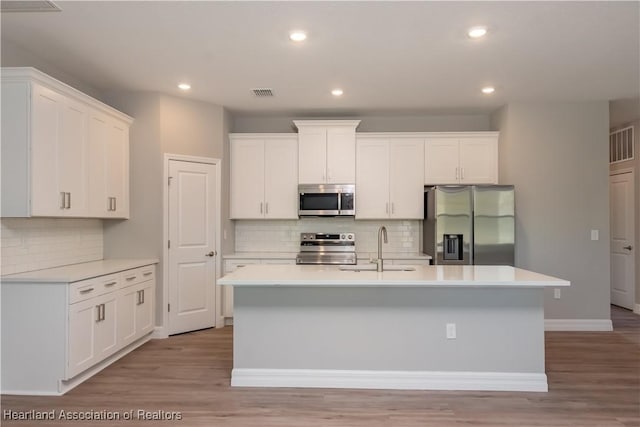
<point>231,265</point>
<point>62,333</point>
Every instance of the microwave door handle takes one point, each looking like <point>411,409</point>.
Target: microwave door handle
<point>339,202</point>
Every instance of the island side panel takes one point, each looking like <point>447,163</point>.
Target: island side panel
<point>389,329</point>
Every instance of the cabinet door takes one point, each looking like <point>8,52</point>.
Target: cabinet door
<point>81,353</point>
<point>117,169</point>
<point>479,160</point>
<point>441,161</point>
<point>106,340</point>
<point>97,165</point>
<point>46,110</point>
<point>341,155</point>
<point>71,158</point>
<point>372,179</point>
<point>247,178</point>
<point>127,299</point>
<point>312,155</point>
<point>406,169</point>
<point>145,297</point>
<point>281,179</point>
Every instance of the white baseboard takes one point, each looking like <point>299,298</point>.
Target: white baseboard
<point>636,308</point>
<point>228,321</point>
<point>159,333</point>
<point>584,325</point>
<point>394,380</point>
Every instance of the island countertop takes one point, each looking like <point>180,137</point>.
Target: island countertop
<point>457,276</point>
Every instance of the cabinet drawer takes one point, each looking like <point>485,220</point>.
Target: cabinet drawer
<point>85,289</point>
<point>138,275</point>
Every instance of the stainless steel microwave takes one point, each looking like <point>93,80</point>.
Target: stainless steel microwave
<point>327,200</point>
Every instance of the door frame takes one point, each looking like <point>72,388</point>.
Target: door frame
<point>612,173</point>
<point>219,320</point>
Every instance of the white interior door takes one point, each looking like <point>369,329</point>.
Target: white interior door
<point>621,191</point>
<point>192,251</point>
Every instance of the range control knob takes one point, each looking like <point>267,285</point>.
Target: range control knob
<point>350,236</point>
<point>342,237</point>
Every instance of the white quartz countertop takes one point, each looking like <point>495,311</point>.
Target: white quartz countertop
<point>425,276</point>
<point>292,255</point>
<point>77,272</point>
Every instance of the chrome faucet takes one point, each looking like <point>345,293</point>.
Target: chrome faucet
<point>382,232</point>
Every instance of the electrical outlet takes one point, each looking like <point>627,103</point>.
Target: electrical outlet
<point>595,235</point>
<point>556,293</point>
<point>451,331</point>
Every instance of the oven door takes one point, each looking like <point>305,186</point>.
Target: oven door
<point>319,204</point>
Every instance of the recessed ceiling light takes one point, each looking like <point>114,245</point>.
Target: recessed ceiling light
<point>298,36</point>
<point>489,89</point>
<point>477,32</point>
<point>184,86</point>
<point>337,92</point>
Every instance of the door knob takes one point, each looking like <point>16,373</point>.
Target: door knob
<point>627,247</point>
<point>212,253</point>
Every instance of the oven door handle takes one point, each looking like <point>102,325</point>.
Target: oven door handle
<point>339,202</point>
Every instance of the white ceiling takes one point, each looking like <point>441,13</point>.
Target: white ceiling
<point>386,56</point>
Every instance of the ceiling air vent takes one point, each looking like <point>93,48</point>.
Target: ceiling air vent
<point>621,145</point>
<point>262,92</point>
<point>29,6</point>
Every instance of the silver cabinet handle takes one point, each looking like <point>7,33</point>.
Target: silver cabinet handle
<point>86,291</point>
<point>627,247</point>
<point>392,208</point>
<point>104,315</point>
<point>148,273</point>
<point>108,285</point>
<point>461,173</point>
<point>260,207</point>
<point>130,278</point>
<point>68,205</point>
<point>266,208</point>
<point>142,296</point>
<point>63,199</point>
<point>98,313</point>
<point>115,203</point>
<point>212,253</point>
<point>457,173</point>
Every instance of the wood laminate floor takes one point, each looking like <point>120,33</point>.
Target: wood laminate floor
<point>594,380</point>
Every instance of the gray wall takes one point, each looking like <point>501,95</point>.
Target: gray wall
<point>163,124</point>
<point>634,164</point>
<point>370,123</point>
<point>13,55</point>
<point>556,155</point>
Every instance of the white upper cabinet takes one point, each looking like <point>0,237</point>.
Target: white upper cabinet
<point>389,179</point>
<point>108,161</point>
<point>264,176</point>
<point>327,150</point>
<point>48,165</point>
<point>455,158</point>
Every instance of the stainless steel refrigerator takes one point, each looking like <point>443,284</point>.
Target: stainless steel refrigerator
<point>470,224</point>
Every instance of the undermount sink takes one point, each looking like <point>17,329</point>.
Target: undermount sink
<point>372,267</point>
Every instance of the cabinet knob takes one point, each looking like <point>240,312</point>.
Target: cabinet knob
<point>212,253</point>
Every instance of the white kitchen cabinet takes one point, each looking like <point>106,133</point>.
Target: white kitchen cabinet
<point>389,181</point>
<point>231,265</point>
<point>108,160</point>
<point>461,159</point>
<point>264,176</point>
<point>326,151</point>
<point>46,160</point>
<point>84,325</point>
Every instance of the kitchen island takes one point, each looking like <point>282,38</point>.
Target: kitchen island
<point>435,327</point>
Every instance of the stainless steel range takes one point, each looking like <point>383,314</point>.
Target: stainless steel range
<point>327,248</point>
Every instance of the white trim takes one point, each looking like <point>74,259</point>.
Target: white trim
<point>233,136</point>
<point>353,123</point>
<point>578,325</point>
<point>390,380</point>
<point>159,332</point>
<point>219,322</point>
<point>454,135</point>
<point>636,308</point>
<point>621,171</point>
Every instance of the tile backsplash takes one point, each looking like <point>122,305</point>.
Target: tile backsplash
<point>29,244</point>
<point>284,235</point>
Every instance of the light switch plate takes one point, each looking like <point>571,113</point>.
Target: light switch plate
<point>451,331</point>
<point>595,235</point>
<point>556,293</point>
